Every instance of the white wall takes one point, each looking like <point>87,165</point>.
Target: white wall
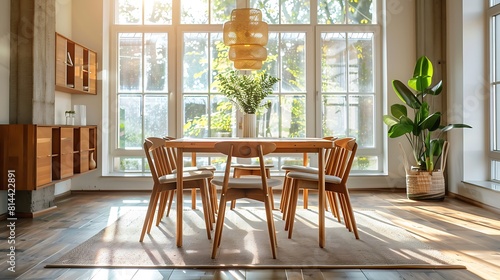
<point>468,101</point>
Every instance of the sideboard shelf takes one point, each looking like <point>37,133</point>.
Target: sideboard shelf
<point>42,155</point>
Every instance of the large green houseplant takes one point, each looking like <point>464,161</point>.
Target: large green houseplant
<point>424,132</point>
<point>246,91</point>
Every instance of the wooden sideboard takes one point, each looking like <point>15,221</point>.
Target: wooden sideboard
<point>42,155</point>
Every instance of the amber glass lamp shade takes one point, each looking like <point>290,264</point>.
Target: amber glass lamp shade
<point>246,35</point>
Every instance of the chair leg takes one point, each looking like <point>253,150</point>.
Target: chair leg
<point>270,225</point>
<point>170,200</point>
<point>287,192</point>
<point>290,219</point>
<point>305,197</point>
<point>271,198</point>
<point>219,225</point>
<point>161,207</point>
<point>215,205</point>
<point>206,208</point>
<point>193,199</point>
<point>149,214</point>
<point>351,214</point>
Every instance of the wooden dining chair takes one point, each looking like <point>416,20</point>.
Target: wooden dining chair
<point>255,188</point>
<point>337,172</point>
<point>240,170</point>
<point>286,190</point>
<point>164,181</point>
<point>166,199</point>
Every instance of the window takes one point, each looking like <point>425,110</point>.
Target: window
<point>494,15</point>
<point>167,61</point>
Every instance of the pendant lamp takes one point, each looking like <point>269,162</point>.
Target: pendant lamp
<point>246,36</point>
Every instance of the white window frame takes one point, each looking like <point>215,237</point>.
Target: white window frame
<point>313,86</point>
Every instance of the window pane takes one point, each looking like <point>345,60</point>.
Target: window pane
<point>195,116</point>
<point>194,12</point>
<point>293,77</point>
<point>365,163</point>
<point>268,121</point>
<point>222,117</point>
<point>361,120</point>
<point>195,62</point>
<point>496,112</point>
<point>271,65</point>
<point>360,62</point>
<point>496,47</point>
<point>334,115</point>
<point>219,57</point>
<point>293,116</point>
<point>270,10</point>
<point>130,62</point>
<point>360,12</point>
<point>155,116</point>
<point>221,10</point>
<point>129,12</point>
<point>129,164</point>
<point>158,12</point>
<point>494,2</point>
<point>155,48</point>
<point>331,12</point>
<point>333,62</point>
<point>295,12</point>
<point>129,115</point>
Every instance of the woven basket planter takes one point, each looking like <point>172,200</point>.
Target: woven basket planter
<point>425,185</point>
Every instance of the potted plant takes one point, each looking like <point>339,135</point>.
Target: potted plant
<point>424,132</point>
<point>248,93</point>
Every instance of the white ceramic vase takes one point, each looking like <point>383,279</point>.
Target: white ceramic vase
<point>250,125</point>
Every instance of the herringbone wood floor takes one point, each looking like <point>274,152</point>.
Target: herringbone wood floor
<point>452,226</point>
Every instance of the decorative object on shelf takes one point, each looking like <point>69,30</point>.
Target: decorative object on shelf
<point>92,163</point>
<point>80,114</point>
<point>246,34</point>
<point>424,133</point>
<point>248,93</point>
<point>70,117</point>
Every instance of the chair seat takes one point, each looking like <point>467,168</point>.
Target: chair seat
<point>250,166</point>
<point>313,177</point>
<point>246,182</point>
<point>299,168</point>
<point>187,176</point>
<point>196,168</point>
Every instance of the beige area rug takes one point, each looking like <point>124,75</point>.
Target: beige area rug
<point>245,244</point>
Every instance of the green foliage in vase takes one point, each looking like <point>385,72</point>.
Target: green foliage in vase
<point>246,91</point>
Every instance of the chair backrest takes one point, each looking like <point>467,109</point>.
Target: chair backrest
<point>158,157</point>
<point>245,149</point>
<point>341,157</point>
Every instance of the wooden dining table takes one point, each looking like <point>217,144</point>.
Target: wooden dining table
<point>283,145</point>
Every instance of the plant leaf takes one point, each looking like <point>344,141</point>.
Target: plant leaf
<point>456,125</point>
<point>390,120</point>
<point>405,94</point>
<point>399,110</point>
<point>399,129</point>
<point>422,75</point>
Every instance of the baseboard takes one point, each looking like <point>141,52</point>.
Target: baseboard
<point>474,202</point>
<point>35,214</point>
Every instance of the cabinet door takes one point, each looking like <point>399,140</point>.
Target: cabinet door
<point>79,67</point>
<point>66,152</point>
<point>92,72</point>
<point>43,155</point>
<point>61,60</point>
<point>81,159</point>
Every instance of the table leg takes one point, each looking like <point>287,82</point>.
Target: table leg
<point>321,198</point>
<point>180,170</point>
